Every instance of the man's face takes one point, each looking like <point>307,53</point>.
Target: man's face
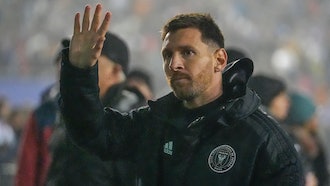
<point>192,68</point>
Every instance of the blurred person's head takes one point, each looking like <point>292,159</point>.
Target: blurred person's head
<point>52,90</point>
<point>18,118</point>
<point>113,63</point>
<point>273,94</point>
<point>302,112</point>
<point>142,8</point>
<point>65,43</point>
<point>235,53</point>
<point>303,120</point>
<point>140,80</point>
<point>5,108</point>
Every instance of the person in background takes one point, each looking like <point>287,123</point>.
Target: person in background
<point>86,169</point>
<point>303,119</point>
<point>33,153</point>
<point>235,53</point>
<point>322,100</point>
<point>7,143</point>
<point>18,118</point>
<point>275,100</point>
<point>7,136</point>
<point>208,131</point>
<point>52,90</point>
<point>141,80</point>
<point>273,94</point>
<point>132,93</point>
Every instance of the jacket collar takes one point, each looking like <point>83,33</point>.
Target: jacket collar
<point>233,109</point>
<point>243,106</point>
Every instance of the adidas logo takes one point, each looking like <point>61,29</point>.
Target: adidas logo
<point>168,148</point>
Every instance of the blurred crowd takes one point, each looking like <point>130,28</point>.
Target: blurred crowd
<point>292,32</point>
<point>12,124</point>
<point>288,41</point>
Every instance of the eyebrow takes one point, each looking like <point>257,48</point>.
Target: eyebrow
<point>180,48</point>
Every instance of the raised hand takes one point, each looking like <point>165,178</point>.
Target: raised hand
<point>87,40</point>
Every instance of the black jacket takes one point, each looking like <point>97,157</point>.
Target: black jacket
<point>84,168</point>
<point>235,143</point>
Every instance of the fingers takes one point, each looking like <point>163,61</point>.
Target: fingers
<point>105,24</point>
<point>95,25</point>
<point>76,28</point>
<point>96,18</point>
<point>85,22</point>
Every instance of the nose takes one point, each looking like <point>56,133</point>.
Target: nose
<point>176,63</point>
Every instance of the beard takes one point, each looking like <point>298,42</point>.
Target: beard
<point>188,88</point>
<point>184,93</point>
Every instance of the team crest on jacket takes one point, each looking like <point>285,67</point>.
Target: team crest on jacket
<point>222,158</point>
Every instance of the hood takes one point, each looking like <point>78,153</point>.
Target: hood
<point>243,106</point>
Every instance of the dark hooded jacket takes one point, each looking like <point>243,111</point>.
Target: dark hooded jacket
<point>231,142</point>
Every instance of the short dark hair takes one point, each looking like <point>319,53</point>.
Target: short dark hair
<point>116,49</point>
<point>235,53</point>
<point>141,75</point>
<point>267,87</point>
<point>201,21</point>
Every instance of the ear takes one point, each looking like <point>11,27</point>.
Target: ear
<point>221,59</point>
<point>117,68</point>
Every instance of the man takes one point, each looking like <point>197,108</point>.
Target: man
<point>200,134</point>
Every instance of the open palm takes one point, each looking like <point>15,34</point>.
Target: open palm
<point>88,37</point>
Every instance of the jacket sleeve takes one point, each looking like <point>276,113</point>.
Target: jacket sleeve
<point>278,162</point>
<point>86,120</point>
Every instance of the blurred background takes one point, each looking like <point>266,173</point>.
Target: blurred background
<point>288,38</point>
